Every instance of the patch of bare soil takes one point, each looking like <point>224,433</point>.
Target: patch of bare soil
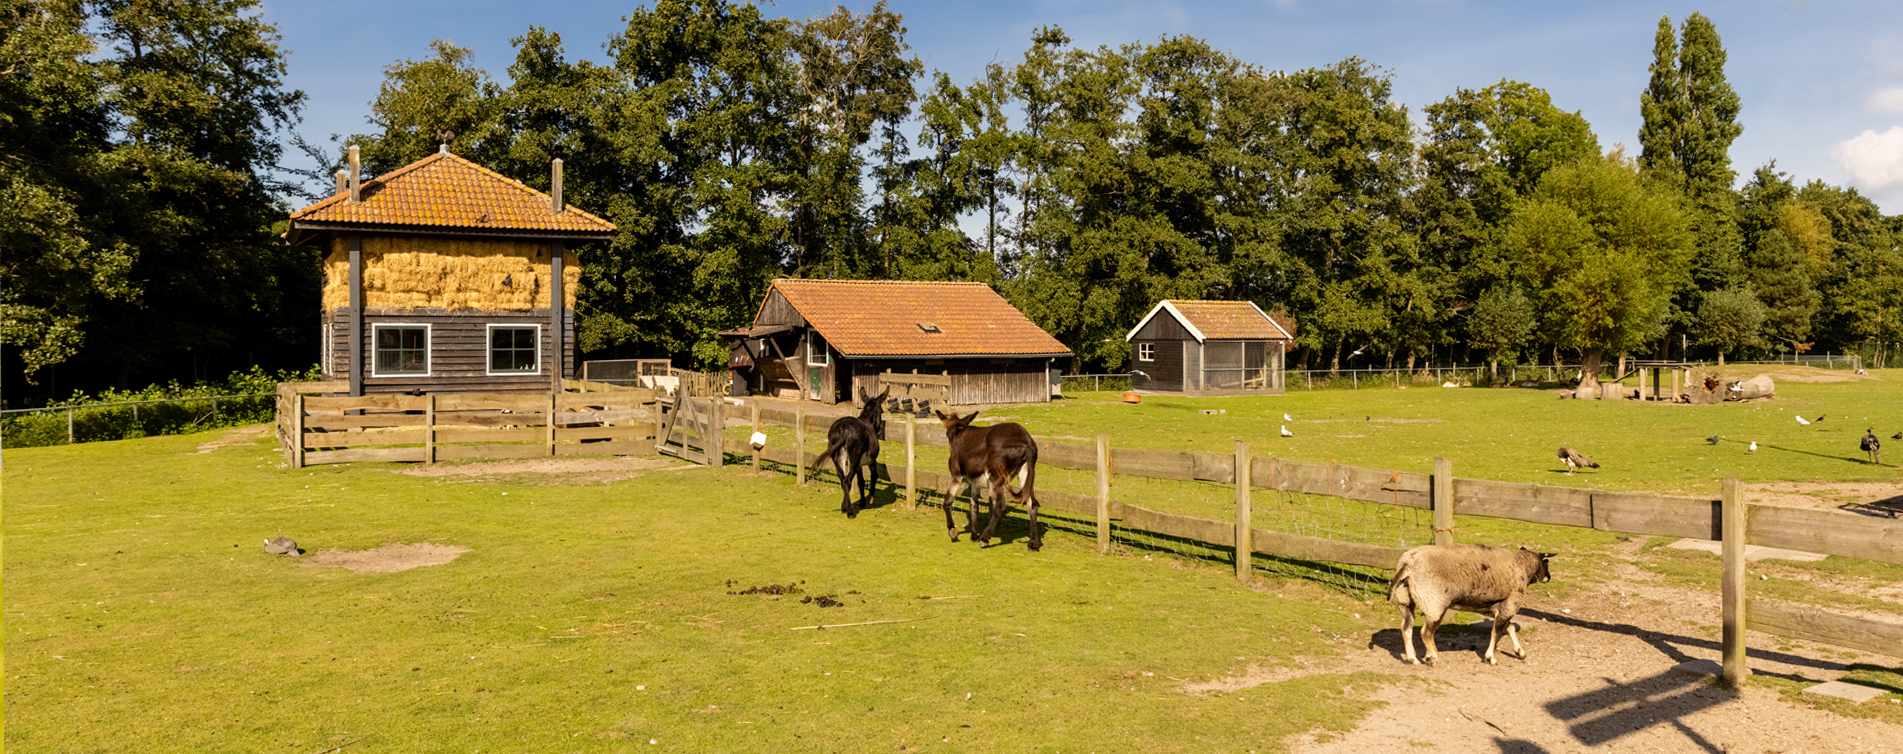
<point>1603,676</point>
<point>389,558</point>
<point>576,470</point>
<point>239,436</point>
<point>1870,498</point>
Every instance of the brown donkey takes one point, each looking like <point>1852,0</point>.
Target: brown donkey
<point>989,455</point>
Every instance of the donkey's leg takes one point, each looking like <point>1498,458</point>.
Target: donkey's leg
<point>971,511</point>
<point>871,476</point>
<point>1030,505</point>
<point>845,469</point>
<point>998,484</point>
<point>951,501</point>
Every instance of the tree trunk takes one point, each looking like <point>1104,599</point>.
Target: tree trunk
<point>1493,371</point>
<point>1621,372</point>
<point>1334,361</point>
<point>1589,362</point>
<point>1721,359</point>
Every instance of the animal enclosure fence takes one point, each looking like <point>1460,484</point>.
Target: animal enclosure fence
<point>1423,502</point>
<point>584,419</point>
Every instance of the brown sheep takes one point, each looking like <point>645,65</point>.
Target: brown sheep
<point>1436,578</point>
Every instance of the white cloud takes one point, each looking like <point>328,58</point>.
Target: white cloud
<point>1886,100</point>
<point>1873,159</point>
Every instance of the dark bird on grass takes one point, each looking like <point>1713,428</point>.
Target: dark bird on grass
<point>1871,447</point>
<point>1712,440</point>
<point>282,546</point>
<point>1575,460</point>
<point>1897,436</point>
<point>1819,419</point>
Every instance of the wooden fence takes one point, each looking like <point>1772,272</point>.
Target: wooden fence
<point>603,420</point>
<point>1727,518</point>
<point>932,387</point>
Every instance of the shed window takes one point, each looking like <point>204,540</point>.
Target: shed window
<point>515,349</point>
<point>816,353</point>
<point>1146,352</point>
<point>401,351</point>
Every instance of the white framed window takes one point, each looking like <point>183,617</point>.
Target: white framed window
<point>399,349</point>
<point>515,349</point>
<point>817,354</point>
<point>1146,352</point>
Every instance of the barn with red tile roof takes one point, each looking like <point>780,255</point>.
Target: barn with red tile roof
<point>824,340</point>
<point>1209,347</point>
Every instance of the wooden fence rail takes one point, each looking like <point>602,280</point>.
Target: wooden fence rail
<point>1827,532</point>
<point>607,420</point>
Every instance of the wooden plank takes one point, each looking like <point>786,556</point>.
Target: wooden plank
<point>609,416</point>
<point>1830,532</point>
<point>571,435</point>
<point>1731,593</point>
<point>1066,456</point>
<point>549,426</point>
<point>1540,504</point>
<point>1103,494</point>
<point>1300,547</point>
<point>468,435</point>
<point>911,463</point>
<point>716,432</point>
<point>1443,498</point>
<point>600,401</point>
<point>1213,467</point>
<point>429,429</point>
<point>297,431</point>
<point>525,402</point>
<point>1815,624</point>
<point>364,438</point>
<point>1244,514</point>
<point>377,401</point>
<point>358,455</point>
<point>1155,464</point>
<point>488,419</point>
<point>1066,503</point>
<point>1656,515</point>
<point>333,421</point>
<point>1206,531</point>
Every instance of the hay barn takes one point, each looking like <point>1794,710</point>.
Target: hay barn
<point>445,275</point>
<point>957,343</point>
<point>1209,347</point>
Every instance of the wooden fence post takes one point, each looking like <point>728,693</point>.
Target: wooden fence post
<point>551,423</point>
<point>1103,494</point>
<point>717,431</point>
<point>297,431</point>
<point>1443,499</point>
<point>69,425</point>
<point>753,422</point>
<point>429,428</point>
<point>799,445</point>
<point>1732,512</point>
<point>1245,547</point>
<point>911,463</point>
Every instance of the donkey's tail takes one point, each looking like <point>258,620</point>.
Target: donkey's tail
<point>1030,476</point>
<point>832,448</point>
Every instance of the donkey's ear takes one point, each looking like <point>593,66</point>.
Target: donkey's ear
<point>941,415</point>
<point>887,392</point>
<point>969,418</point>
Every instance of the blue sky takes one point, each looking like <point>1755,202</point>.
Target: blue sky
<point>1821,81</point>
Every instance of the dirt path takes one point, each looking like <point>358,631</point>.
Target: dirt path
<point>1602,676</point>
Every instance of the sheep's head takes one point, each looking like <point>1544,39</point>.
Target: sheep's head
<point>1541,572</point>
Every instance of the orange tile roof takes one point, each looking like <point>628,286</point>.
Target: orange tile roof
<point>1228,320</point>
<point>882,318</point>
<point>449,192</point>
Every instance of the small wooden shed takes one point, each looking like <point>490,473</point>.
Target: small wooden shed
<point>823,340</point>
<point>1209,347</point>
<point>445,275</point>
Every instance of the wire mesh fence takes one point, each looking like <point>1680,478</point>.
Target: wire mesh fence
<point>121,420</point>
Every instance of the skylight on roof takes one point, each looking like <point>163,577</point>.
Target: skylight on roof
<point>928,327</point>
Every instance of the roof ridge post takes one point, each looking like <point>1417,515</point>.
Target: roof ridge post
<point>356,175</point>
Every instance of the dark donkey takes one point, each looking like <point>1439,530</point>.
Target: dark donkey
<point>981,455</point>
<point>854,440</point>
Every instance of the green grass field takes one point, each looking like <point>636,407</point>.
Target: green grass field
<point>142,614</point>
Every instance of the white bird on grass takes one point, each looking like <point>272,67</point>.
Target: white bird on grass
<point>1803,421</point>
<point>1753,448</point>
<point>1285,432</point>
<point>1287,418</point>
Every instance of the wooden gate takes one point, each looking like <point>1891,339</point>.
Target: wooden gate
<point>690,429</point>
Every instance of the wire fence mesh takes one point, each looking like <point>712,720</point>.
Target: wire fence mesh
<point>121,420</point>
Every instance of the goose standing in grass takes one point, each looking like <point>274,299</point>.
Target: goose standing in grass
<point>1871,446</point>
<point>1285,432</point>
<point>1575,460</point>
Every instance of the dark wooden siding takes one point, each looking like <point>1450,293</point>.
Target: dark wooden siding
<point>978,381</point>
<point>1163,327</point>
<point>459,349</point>
<point>1165,372</point>
<point>777,311</point>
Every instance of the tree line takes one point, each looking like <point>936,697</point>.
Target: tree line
<point>1085,183</point>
